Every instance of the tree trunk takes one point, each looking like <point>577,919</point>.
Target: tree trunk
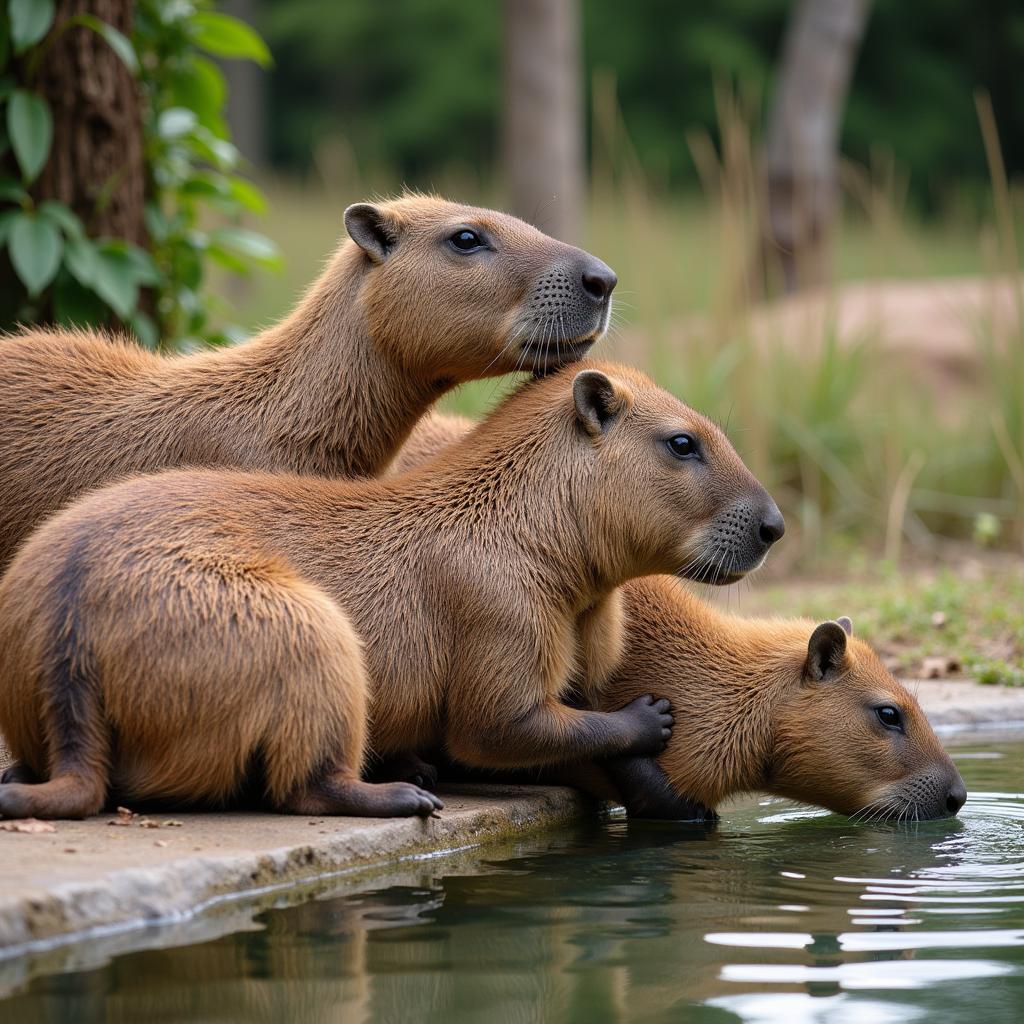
<point>818,54</point>
<point>96,162</point>
<point>543,120</point>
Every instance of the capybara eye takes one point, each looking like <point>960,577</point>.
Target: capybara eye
<point>466,241</point>
<point>890,717</point>
<point>683,446</point>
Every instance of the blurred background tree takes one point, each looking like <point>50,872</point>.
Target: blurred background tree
<point>413,85</point>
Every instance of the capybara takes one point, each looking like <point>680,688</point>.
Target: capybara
<point>788,707</point>
<point>770,705</point>
<point>427,294</point>
<point>170,636</point>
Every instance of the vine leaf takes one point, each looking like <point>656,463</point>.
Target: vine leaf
<point>35,247</point>
<point>30,21</point>
<point>30,128</point>
<point>115,39</point>
<point>225,36</point>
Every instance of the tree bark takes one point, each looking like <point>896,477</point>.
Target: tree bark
<point>96,162</point>
<point>818,55</point>
<point>543,117</point>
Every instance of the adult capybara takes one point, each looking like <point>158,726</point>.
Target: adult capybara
<point>427,294</point>
<point>172,635</point>
<point>778,706</point>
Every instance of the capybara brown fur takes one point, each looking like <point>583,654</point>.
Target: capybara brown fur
<point>168,636</point>
<point>788,707</point>
<point>770,705</point>
<point>425,295</point>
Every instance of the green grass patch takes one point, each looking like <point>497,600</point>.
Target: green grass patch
<point>971,618</point>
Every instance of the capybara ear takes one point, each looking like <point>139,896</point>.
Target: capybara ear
<point>847,623</point>
<point>825,651</point>
<point>372,229</point>
<point>599,400</point>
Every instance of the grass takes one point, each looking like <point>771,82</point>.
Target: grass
<point>967,620</point>
<point>860,449</point>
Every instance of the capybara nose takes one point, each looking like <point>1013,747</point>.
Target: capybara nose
<point>598,279</point>
<point>957,796</point>
<point>773,526</point>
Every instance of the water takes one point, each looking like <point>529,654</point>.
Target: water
<point>781,914</point>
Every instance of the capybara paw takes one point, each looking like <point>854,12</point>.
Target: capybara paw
<point>20,773</point>
<point>650,724</point>
<point>646,792</point>
<point>15,803</point>
<point>404,800</point>
<point>405,768</point>
<point>425,776</point>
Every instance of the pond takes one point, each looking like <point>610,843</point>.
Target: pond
<point>781,913</point>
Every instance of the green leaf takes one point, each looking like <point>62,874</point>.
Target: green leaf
<point>6,220</point>
<point>115,39</point>
<point>63,216</point>
<point>74,305</point>
<point>11,191</point>
<point>7,86</point>
<point>80,258</point>
<point>176,122</point>
<point>248,195</point>
<point>156,223</point>
<point>30,21</point>
<point>198,85</point>
<point>142,265</point>
<point>255,246</point>
<point>35,247</point>
<point>30,127</point>
<point>145,330</point>
<point>115,279</point>
<point>225,36</point>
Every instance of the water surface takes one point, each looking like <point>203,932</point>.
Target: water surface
<point>781,913</point>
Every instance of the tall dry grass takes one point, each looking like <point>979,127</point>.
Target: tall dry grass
<point>865,442</point>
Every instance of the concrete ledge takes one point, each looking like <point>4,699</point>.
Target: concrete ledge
<point>92,877</point>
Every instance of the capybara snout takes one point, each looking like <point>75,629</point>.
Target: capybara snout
<point>737,541</point>
<point>501,296</point>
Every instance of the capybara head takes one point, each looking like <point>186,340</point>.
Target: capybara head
<point>851,737</point>
<point>469,292</point>
<point>682,499</point>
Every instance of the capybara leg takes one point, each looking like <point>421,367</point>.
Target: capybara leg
<point>645,792</point>
<point>338,794</point>
<point>20,773</point>
<point>404,768</point>
<point>554,734</point>
<point>66,796</point>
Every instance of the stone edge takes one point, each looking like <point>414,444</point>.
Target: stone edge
<point>125,899</point>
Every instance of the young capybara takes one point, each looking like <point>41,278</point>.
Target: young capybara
<point>780,706</point>
<point>172,635</point>
<point>770,705</point>
<point>427,294</point>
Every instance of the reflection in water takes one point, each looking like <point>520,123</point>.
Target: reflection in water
<point>781,914</point>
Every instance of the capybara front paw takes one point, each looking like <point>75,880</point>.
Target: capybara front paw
<point>407,800</point>
<point>405,768</point>
<point>650,724</point>
<point>20,773</point>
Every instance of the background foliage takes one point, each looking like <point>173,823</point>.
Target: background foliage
<point>422,99</point>
<point>61,273</point>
